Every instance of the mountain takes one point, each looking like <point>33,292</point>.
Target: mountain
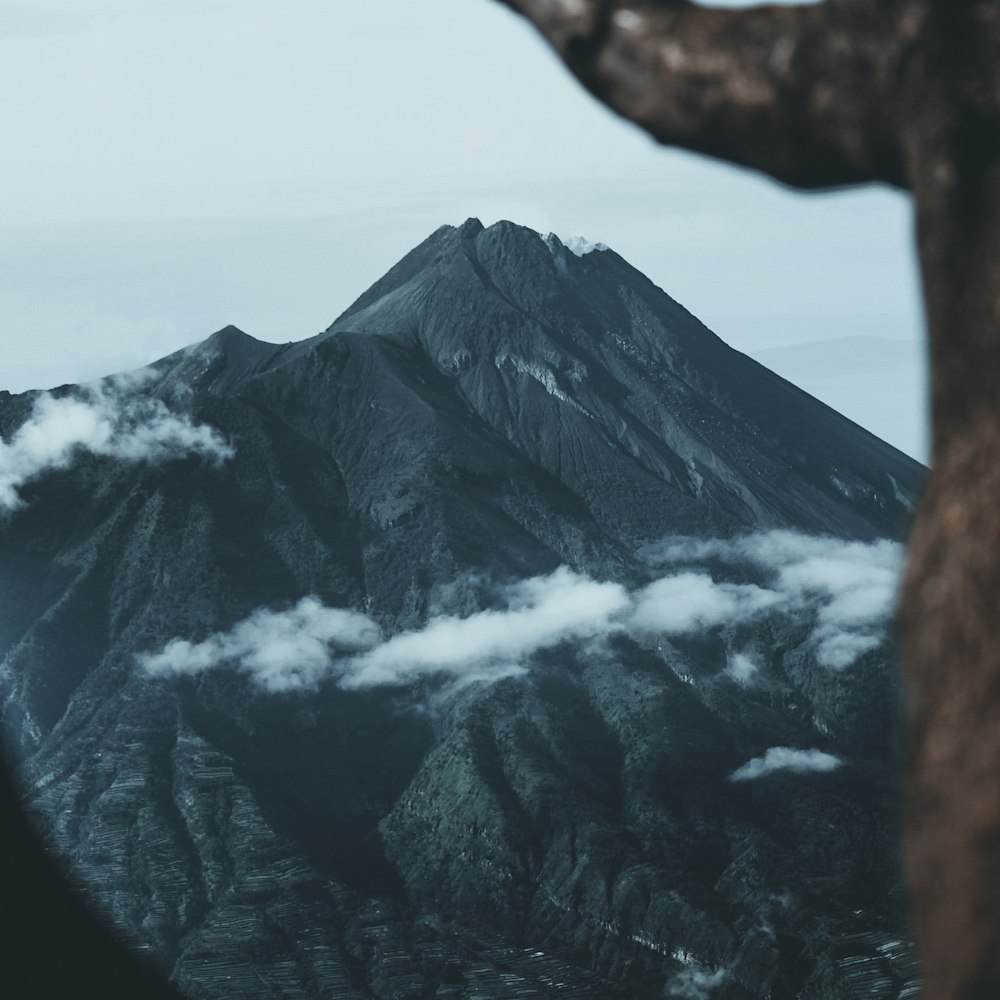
<point>514,637</point>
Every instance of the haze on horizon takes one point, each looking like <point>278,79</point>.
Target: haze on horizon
<point>183,165</point>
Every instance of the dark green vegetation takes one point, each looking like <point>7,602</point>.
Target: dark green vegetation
<point>493,408</point>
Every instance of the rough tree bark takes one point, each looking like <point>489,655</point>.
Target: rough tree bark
<point>906,92</point>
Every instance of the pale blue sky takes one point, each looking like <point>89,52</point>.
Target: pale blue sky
<point>176,165</point>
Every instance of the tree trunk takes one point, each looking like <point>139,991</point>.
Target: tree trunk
<point>951,597</point>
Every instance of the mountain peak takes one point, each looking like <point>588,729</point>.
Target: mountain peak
<point>472,227</point>
<point>231,331</point>
<point>506,231</point>
<point>219,362</point>
<point>231,337</point>
<point>513,261</point>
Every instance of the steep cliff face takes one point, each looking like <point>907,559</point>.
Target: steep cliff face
<point>688,790</point>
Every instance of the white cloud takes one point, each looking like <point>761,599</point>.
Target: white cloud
<point>838,648</point>
<point>786,759</point>
<point>692,602</point>
<point>540,613</point>
<point>108,418</point>
<point>281,650</point>
<point>695,983</point>
<point>297,649</point>
<point>850,587</point>
<point>846,587</point>
<point>742,667</point>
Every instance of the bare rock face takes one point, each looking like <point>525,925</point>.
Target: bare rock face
<point>622,812</point>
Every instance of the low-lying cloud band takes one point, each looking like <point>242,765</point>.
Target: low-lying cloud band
<point>845,588</point>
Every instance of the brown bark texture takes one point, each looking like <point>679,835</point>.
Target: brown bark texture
<point>906,92</point>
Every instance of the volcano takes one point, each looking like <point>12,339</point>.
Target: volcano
<point>514,637</point>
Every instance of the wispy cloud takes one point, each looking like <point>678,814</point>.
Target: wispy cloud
<point>539,613</point>
<point>281,650</point>
<point>109,418</point>
<point>742,667</point>
<point>786,759</point>
<point>299,648</point>
<point>696,983</point>
<point>845,588</point>
<point>849,587</point>
<point>693,602</point>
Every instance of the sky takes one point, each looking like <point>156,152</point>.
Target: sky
<point>174,166</point>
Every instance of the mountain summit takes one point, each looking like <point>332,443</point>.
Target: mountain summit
<point>594,374</point>
<point>597,355</point>
<point>512,637</point>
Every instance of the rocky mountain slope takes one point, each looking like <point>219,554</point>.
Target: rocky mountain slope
<point>594,696</point>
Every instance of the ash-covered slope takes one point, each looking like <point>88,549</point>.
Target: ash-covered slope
<point>494,409</point>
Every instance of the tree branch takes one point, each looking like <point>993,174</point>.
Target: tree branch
<point>804,94</point>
